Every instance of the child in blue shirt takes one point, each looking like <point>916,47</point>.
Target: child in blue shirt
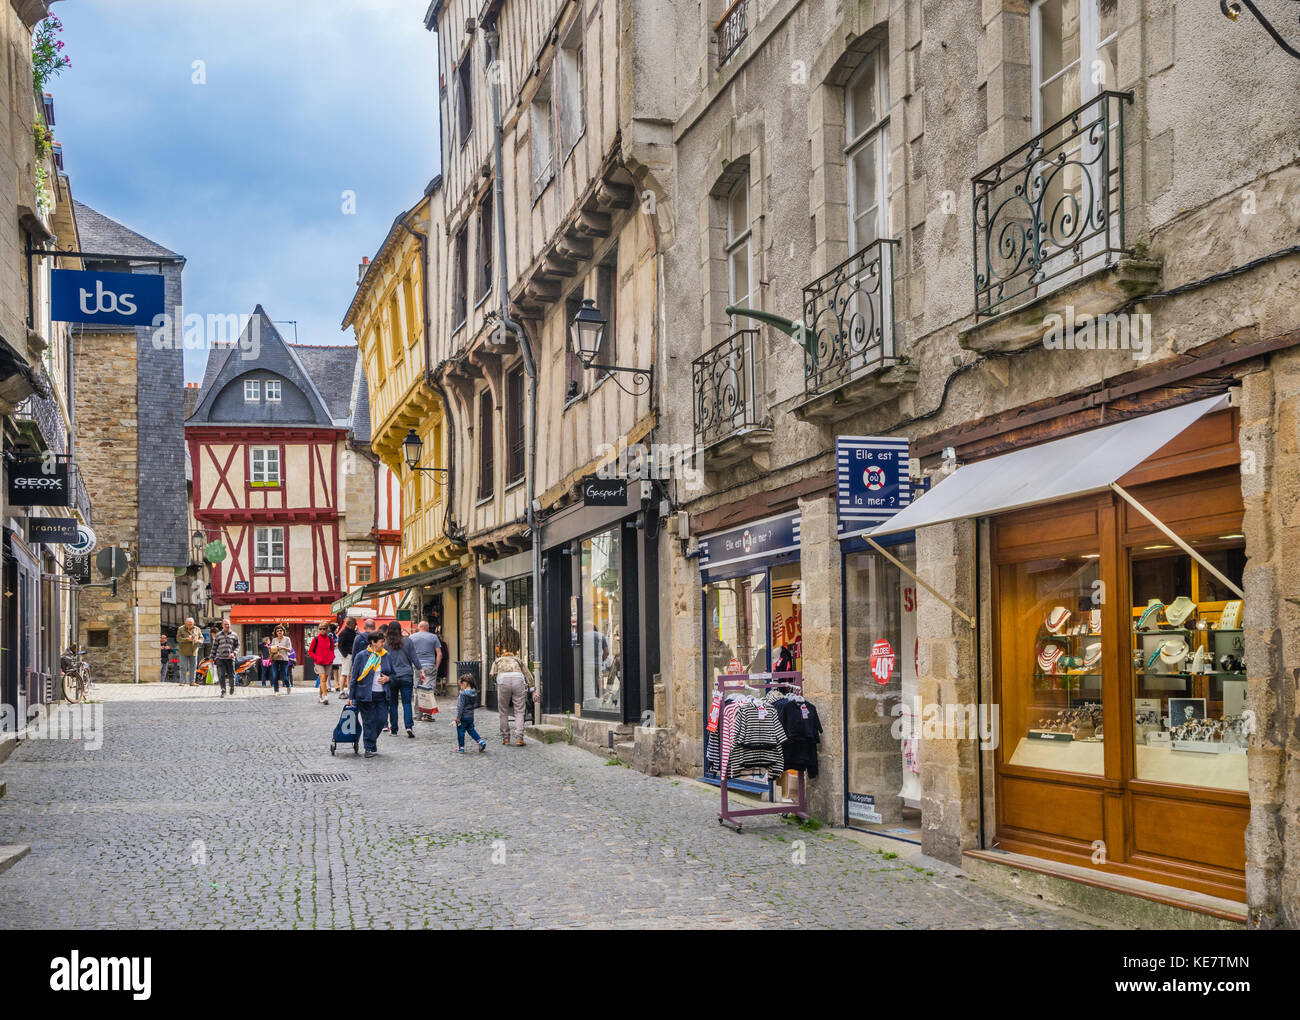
<point>465,702</point>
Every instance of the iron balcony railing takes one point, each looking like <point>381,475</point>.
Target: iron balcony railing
<point>848,318</point>
<point>1051,207</point>
<point>727,388</point>
<point>731,30</point>
<point>82,497</point>
<point>43,413</point>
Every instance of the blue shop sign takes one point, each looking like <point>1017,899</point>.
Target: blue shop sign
<point>761,540</point>
<point>107,299</point>
<point>871,481</point>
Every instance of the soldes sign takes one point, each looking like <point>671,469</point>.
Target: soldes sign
<point>39,480</point>
<point>119,299</point>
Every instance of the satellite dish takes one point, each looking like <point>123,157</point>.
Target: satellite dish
<point>113,561</point>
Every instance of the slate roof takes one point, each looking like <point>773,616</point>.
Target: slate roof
<point>102,235</point>
<point>332,370</point>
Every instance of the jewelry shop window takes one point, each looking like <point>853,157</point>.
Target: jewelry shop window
<point>602,615</point>
<point>1188,663</point>
<point>1052,640</point>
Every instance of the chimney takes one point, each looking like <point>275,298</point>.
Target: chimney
<point>361,269</point>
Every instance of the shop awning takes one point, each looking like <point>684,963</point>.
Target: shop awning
<point>376,589</point>
<point>281,614</point>
<point>1073,466</point>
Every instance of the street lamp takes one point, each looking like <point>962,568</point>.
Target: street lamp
<point>588,332</point>
<point>412,449</point>
<point>1232,10</point>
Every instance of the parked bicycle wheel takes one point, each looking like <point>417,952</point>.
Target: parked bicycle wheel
<point>71,687</point>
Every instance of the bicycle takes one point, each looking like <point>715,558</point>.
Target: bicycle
<point>77,679</point>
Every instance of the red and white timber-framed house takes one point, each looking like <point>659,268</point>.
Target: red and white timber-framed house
<point>270,444</point>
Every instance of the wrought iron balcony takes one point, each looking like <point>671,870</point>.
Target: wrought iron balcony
<point>731,30</point>
<point>82,497</point>
<point>727,389</point>
<point>848,317</point>
<point>1051,207</point>
<point>41,415</point>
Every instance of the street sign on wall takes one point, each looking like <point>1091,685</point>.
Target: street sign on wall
<point>39,479</point>
<point>115,299</point>
<point>871,481</point>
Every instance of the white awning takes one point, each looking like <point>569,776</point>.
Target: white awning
<point>1073,466</point>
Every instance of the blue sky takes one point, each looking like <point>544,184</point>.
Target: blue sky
<point>245,175</point>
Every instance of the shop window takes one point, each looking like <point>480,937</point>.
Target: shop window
<point>508,616</point>
<point>1051,640</point>
<point>882,722</point>
<point>735,613</point>
<point>787,617</point>
<point>600,643</point>
<point>1189,666</point>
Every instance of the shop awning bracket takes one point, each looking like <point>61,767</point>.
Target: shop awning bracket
<point>1174,538</point>
<point>912,574</point>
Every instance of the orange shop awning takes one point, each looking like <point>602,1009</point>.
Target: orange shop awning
<point>286,615</point>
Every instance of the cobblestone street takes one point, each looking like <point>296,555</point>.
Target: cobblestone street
<point>192,815</point>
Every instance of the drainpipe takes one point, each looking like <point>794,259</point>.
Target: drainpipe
<point>530,367</point>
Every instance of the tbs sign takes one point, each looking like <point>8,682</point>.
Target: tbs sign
<point>116,299</point>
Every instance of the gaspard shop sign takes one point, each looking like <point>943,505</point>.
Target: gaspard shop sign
<point>604,491</point>
<point>115,299</point>
<point>39,479</point>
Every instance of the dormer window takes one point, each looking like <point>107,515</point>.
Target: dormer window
<point>252,391</point>
<point>273,391</point>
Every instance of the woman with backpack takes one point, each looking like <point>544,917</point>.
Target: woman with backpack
<point>321,653</point>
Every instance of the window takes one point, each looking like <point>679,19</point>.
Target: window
<point>739,235</point>
<point>273,391</point>
<point>252,391</point>
<point>465,96</point>
<point>515,429</point>
<point>602,616</point>
<point>486,466</point>
<point>485,247</point>
<point>866,102</point>
<point>460,295</point>
<point>268,556</point>
<point>97,638</point>
<point>265,464</point>
<point>1074,55</point>
<point>568,90</point>
<point>542,118</point>
<point>607,302</point>
<point>572,365</point>
<point>408,311</point>
<point>364,574</point>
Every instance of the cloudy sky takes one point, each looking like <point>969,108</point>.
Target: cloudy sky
<point>245,175</point>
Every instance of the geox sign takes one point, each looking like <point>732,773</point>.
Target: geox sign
<point>39,479</point>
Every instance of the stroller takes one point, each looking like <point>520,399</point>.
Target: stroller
<point>347,730</point>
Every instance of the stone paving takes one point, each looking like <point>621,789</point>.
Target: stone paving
<point>191,815</point>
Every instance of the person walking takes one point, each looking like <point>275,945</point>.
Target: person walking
<point>368,689</point>
<point>429,649</point>
<point>347,640</point>
<point>336,665</point>
<point>264,650</point>
<point>166,648</point>
<point>188,641</point>
<point>281,667</point>
<point>465,703</point>
<point>321,653</point>
<point>225,646</point>
<point>400,664</point>
<point>513,680</point>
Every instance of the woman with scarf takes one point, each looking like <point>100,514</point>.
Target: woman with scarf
<point>368,690</point>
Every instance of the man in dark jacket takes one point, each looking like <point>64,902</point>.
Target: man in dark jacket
<point>368,690</point>
<point>225,646</point>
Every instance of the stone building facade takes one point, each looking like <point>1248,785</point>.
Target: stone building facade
<point>861,158</point>
<point>130,397</point>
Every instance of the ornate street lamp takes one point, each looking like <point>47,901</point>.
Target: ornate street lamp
<point>1232,10</point>
<point>412,449</point>
<point>588,332</point>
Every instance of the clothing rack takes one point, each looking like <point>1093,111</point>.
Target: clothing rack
<point>731,683</point>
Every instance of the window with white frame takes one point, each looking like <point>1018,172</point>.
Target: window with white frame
<point>265,465</point>
<point>740,261</point>
<point>1073,45</point>
<point>866,149</point>
<point>273,391</point>
<point>542,132</point>
<point>268,554</point>
<point>252,391</point>
<point>569,115</point>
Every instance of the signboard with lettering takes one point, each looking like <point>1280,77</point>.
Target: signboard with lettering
<point>762,540</point>
<point>52,530</point>
<point>39,479</point>
<point>115,299</point>
<point>240,586</point>
<point>604,491</point>
<point>871,481</point>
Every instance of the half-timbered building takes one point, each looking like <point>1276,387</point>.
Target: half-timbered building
<point>284,480</point>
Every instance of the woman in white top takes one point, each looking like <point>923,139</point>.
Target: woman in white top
<point>281,667</point>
